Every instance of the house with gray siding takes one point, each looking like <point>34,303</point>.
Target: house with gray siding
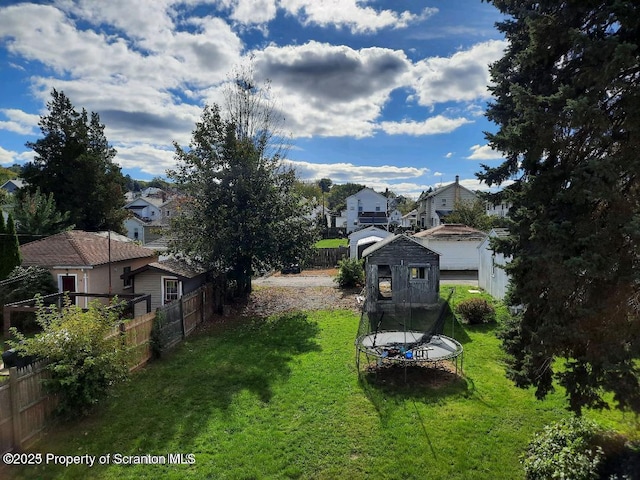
<point>434,207</point>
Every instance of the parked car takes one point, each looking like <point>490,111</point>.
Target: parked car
<point>291,268</point>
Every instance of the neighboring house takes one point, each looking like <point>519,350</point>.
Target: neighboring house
<point>366,208</point>
<point>410,220</point>
<point>491,276</point>
<point>11,186</point>
<point>87,262</point>
<point>401,272</point>
<point>457,244</point>
<point>166,280</point>
<point>500,210</point>
<point>434,207</point>
<point>150,219</point>
<point>360,240</point>
<point>394,219</point>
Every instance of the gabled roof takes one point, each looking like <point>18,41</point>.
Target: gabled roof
<point>451,231</point>
<point>78,248</point>
<point>365,189</point>
<point>443,189</point>
<point>16,182</point>
<point>394,238</point>
<point>172,266</point>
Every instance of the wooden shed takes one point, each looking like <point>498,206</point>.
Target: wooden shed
<point>401,272</point>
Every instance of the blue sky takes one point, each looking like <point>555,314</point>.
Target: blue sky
<point>390,94</point>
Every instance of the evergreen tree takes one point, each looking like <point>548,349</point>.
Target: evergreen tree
<point>36,214</point>
<point>241,212</point>
<point>74,162</point>
<point>9,247</point>
<point>567,103</point>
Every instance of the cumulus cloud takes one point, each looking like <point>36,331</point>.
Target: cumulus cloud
<point>484,152</point>
<point>352,15</point>
<point>348,172</point>
<point>19,121</point>
<point>9,157</point>
<point>430,126</point>
<point>462,77</point>
<point>151,159</point>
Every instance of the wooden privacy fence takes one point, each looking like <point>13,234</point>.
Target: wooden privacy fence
<point>328,257</point>
<point>25,407</point>
<point>178,319</point>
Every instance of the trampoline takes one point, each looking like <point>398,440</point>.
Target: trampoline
<point>407,336</point>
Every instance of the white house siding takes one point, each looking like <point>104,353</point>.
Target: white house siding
<point>455,254</point>
<point>366,200</point>
<point>491,277</point>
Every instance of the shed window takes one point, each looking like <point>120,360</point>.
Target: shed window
<point>385,286</point>
<point>418,273</point>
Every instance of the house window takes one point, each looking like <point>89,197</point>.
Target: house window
<point>377,207</point>
<point>136,234</point>
<point>171,290</point>
<point>444,201</point>
<point>128,281</point>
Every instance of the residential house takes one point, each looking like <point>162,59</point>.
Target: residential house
<point>166,280</point>
<point>361,239</point>
<point>150,219</point>
<point>11,186</point>
<point>434,207</point>
<point>88,262</point>
<point>491,274</point>
<point>499,210</point>
<point>457,244</point>
<point>410,220</point>
<point>366,208</point>
<point>394,219</point>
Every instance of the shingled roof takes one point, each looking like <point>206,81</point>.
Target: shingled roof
<point>451,231</point>
<point>79,248</point>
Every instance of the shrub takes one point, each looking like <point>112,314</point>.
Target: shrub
<point>564,449</point>
<point>83,357</point>
<point>350,273</point>
<point>475,311</point>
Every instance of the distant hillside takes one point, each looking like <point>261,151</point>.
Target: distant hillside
<point>7,174</point>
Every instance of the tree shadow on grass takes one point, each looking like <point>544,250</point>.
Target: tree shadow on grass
<point>390,386</point>
<point>171,402</point>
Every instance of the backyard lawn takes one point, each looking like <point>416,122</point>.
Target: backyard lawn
<point>332,243</point>
<point>281,398</point>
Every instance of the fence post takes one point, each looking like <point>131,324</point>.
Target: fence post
<point>15,408</point>
<point>182,318</point>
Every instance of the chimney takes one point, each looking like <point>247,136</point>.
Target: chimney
<point>457,179</point>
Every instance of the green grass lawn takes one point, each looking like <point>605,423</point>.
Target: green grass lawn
<point>332,243</point>
<point>282,399</point>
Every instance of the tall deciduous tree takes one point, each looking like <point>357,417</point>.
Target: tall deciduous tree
<point>241,212</point>
<point>74,162</point>
<point>567,103</point>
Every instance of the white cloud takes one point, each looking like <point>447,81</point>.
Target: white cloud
<point>351,14</point>
<point>462,77</point>
<point>484,152</point>
<point>449,155</point>
<point>430,126</point>
<point>19,121</point>
<point>438,174</point>
<point>348,172</point>
<point>9,157</point>
<point>150,159</point>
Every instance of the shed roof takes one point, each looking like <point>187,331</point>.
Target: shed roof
<point>174,266</point>
<point>391,239</point>
<point>80,248</point>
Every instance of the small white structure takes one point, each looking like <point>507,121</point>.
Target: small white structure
<point>457,244</point>
<point>366,208</point>
<point>491,276</point>
<point>364,238</point>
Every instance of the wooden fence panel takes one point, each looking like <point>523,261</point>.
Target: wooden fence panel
<point>6,419</point>
<point>328,257</point>
<point>138,337</point>
<point>192,310</point>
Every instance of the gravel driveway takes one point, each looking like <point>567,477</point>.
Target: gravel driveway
<point>307,278</point>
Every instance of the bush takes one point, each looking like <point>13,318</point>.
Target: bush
<point>83,358</point>
<point>564,450</point>
<point>350,273</point>
<point>475,311</point>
